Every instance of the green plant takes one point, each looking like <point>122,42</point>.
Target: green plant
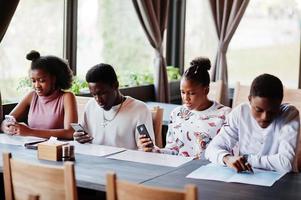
<point>24,84</point>
<point>128,79</point>
<point>173,73</point>
<point>77,85</point>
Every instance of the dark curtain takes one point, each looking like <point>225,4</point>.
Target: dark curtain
<point>152,15</point>
<point>7,10</point>
<point>226,14</point>
<point>1,109</point>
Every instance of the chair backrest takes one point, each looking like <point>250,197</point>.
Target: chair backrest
<point>291,96</point>
<point>157,116</point>
<point>241,94</point>
<point>81,103</point>
<point>1,108</point>
<point>33,197</point>
<point>215,92</point>
<point>22,179</point>
<point>122,190</point>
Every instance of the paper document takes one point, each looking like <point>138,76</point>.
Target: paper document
<point>151,158</point>
<point>94,149</point>
<point>226,174</point>
<point>18,140</point>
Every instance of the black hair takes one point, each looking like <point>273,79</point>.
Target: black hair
<point>102,72</point>
<point>54,66</point>
<point>198,71</point>
<point>267,85</point>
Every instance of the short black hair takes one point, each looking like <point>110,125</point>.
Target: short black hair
<point>102,72</point>
<point>54,66</point>
<point>198,71</point>
<point>267,85</point>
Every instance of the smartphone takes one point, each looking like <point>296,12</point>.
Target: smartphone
<point>10,118</point>
<point>33,145</point>
<point>77,127</point>
<point>143,131</point>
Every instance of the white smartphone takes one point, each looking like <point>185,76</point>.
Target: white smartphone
<point>77,127</point>
<point>10,118</point>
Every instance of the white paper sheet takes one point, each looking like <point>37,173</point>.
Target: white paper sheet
<point>17,140</point>
<point>151,158</point>
<point>221,173</point>
<point>94,149</point>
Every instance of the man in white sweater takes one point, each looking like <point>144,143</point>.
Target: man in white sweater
<point>266,131</point>
<point>111,118</point>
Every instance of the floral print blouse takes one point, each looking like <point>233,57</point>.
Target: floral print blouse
<point>190,131</point>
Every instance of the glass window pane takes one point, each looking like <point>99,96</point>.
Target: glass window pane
<point>110,32</point>
<point>267,41</point>
<point>38,25</point>
<point>200,35</point>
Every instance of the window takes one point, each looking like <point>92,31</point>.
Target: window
<point>200,36</point>
<point>38,25</point>
<point>267,41</point>
<point>110,32</point>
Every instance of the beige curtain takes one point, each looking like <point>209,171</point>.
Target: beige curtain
<point>7,10</point>
<point>152,15</point>
<point>227,15</point>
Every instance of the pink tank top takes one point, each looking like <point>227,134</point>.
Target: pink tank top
<point>47,112</point>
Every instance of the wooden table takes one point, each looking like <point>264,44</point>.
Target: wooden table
<point>90,171</point>
<point>90,174</point>
<point>287,188</point>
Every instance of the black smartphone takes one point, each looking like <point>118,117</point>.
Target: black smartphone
<point>143,131</point>
<point>77,127</point>
<point>33,145</point>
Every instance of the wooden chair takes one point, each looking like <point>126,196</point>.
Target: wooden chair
<point>1,109</point>
<point>291,96</point>
<point>241,94</point>
<point>157,116</point>
<point>81,103</point>
<point>22,179</point>
<point>122,190</point>
<point>215,91</point>
<point>33,197</point>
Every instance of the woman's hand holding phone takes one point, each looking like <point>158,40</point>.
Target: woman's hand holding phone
<point>8,125</point>
<point>145,141</point>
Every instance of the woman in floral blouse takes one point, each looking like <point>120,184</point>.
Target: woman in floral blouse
<point>194,124</point>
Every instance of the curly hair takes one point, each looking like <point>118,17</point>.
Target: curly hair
<point>198,71</point>
<point>54,66</point>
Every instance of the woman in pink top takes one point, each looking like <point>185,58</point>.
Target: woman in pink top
<point>50,110</point>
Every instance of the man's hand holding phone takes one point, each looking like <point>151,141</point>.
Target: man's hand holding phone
<point>80,135</point>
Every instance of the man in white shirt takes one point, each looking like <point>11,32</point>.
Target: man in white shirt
<point>265,130</point>
<point>111,118</point>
